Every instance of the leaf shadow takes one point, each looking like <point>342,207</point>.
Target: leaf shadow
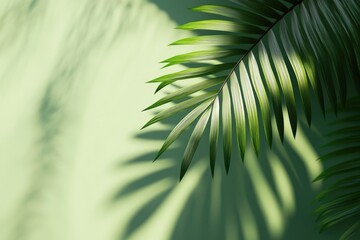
<point>264,198</point>
<point>179,11</point>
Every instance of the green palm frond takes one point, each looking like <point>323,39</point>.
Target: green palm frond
<point>260,55</point>
<point>341,200</point>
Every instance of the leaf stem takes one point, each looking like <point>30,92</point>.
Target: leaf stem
<point>254,45</point>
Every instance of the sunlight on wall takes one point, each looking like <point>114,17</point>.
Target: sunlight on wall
<point>301,146</point>
<point>283,185</point>
<point>171,208</point>
<point>268,204</point>
<point>65,66</point>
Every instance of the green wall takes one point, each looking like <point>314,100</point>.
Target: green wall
<point>74,164</point>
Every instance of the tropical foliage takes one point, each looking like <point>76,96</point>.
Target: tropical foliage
<point>341,199</point>
<point>255,57</point>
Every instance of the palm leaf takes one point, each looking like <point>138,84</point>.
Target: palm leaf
<point>341,200</point>
<point>263,54</point>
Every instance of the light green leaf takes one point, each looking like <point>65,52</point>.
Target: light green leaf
<point>192,73</point>
<point>187,91</point>
<point>227,126</point>
<point>239,113</point>
<point>273,87</point>
<point>194,142</point>
<point>179,107</point>
<point>204,55</point>
<point>182,126</point>
<point>236,13</point>
<point>285,81</point>
<point>222,25</point>
<point>299,70</point>
<point>261,96</point>
<point>215,40</point>
<point>250,106</point>
<point>214,133</point>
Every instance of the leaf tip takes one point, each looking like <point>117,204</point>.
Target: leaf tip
<point>243,159</point>
<point>150,122</point>
<point>158,155</point>
<point>168,64</point>
<point>157,90</point>
<point>152,80</point>
<point>257,150</point>
<point>318,178</point>
<point>145,109</point>
<point>309,123</point>
<point>293,129</point>
<point>227,167</point>
<point>182,174</point>
<point>212,171</point>
<point>270,142</point>
<point>181,27</point>
<point>174,43</point>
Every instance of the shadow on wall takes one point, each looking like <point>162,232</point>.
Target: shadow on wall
<point>179,10</point>
<point>265,198</point>
<point>88,34</point>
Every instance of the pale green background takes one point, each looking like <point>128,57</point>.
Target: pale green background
<point>73,162</point>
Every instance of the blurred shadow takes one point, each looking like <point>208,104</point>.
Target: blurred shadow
<point>89,32</point>
<point>179,10</point>
<point>266,198</point>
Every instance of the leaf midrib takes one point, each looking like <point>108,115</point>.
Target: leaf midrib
<point>253,46</point>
